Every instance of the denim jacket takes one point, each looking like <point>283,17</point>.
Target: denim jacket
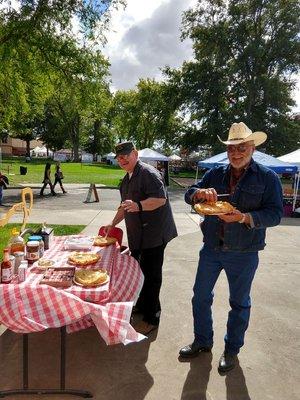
<point>258,193</point>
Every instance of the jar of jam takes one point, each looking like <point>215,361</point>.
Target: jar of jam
<point>39,239</point>
<point>32,251</point>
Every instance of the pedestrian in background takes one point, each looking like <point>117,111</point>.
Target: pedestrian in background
<point>3,185</point>
<point>58,177</point>
<point>47,180</point>
<point>232,241</point>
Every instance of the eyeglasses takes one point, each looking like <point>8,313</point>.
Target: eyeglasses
<point>241,148</point>
<point>123,156</point>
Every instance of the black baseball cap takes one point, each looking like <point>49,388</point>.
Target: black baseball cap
<point>124,148</point>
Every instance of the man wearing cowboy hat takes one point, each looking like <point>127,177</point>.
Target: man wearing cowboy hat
<point>232,241</point>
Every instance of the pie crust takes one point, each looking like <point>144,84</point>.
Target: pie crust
<point>104,241</point>
<point>82,258</point>
<point>211,208</point>
<point>90,277</point>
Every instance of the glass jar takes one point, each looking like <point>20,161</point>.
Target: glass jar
<point>32,251</point>
<point>37,238</point>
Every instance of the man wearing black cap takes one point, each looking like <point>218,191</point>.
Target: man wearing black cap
<point>150,226</point>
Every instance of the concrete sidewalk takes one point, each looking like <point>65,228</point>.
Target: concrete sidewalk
<point>268,364</point>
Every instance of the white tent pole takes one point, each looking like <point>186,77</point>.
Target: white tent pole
<point>196,179</point>
<point>296,186</point>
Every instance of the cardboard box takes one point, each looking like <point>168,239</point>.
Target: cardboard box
<point>47,235</point>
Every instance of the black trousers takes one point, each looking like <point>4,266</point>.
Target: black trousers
<point>44,186</point>
<point>58,180</point>
<point>151,262</point>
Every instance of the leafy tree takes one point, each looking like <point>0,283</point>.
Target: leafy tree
<point>245,54</point>
<point>38,48</point>
<point>146,114</point>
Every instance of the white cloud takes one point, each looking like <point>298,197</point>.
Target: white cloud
<point>144,38</point>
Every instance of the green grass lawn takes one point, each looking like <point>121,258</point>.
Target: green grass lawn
<point>59,230</point>
<point>108,175</point>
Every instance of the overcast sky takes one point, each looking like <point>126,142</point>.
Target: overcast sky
<point>146,37</point>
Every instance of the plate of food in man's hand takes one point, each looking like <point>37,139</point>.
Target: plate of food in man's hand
<point>214,208</point>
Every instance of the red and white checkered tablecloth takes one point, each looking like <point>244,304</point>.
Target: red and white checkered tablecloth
<point>30,306</point>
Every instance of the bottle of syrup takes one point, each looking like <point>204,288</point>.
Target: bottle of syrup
<point>16,242</point>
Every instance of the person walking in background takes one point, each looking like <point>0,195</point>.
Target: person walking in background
<point>58,177</point>
<point>150,226</point>
<point>47,180</point>
<point>232,241</point>
<point>3,185</point>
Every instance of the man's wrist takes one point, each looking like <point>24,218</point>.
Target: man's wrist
<point>140,206</point>
<point>243,219</point>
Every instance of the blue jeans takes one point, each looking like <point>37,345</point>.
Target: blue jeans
<point>240,270</point>
<point>1,194</point>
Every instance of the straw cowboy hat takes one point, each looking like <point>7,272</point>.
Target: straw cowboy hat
<point>240,133</point>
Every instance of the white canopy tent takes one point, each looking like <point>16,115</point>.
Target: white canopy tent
<point>292,158</point>
<point>152,157</point>
<point>174,157</point>
<point>111,158</point>
<point>40,152</point>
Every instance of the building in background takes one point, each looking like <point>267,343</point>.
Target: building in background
<point>17,147</point>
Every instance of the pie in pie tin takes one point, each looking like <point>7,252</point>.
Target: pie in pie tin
<point>83,258</point>
<point>103,241</point>
<point>214,208</point>
<point>90,277</point>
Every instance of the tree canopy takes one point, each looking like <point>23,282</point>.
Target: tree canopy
<point>147,114</point>
<point>246,52</point>
<point>44,60</point>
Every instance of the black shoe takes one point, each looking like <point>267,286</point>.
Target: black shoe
<point>227,362</point>
<point>136,310</point>
<point>192,350</point>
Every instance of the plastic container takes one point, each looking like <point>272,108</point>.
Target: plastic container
<point>6,267</point>
<point>19,257</point>
<point>22,271</point>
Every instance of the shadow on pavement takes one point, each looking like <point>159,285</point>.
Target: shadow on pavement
<point>109,372</point>
<point>195,385</point>
<point>236,387</point>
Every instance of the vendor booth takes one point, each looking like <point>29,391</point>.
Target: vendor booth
<point>278,166</point>
<point>159,161</point>
<point>292,158</point>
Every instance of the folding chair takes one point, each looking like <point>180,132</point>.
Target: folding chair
<point>118,234</point>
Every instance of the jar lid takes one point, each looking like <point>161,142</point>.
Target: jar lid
<point>35,237</point>
<point>33,243</point>
<point>18,253</point>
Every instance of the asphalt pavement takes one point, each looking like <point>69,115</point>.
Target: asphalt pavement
<point>268,366</point>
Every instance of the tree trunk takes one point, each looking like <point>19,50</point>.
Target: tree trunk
<point>27,148</point>
<point>75,137</point>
